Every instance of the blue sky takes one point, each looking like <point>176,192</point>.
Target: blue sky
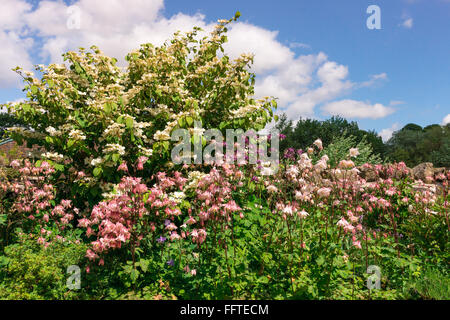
<point>383,78</point>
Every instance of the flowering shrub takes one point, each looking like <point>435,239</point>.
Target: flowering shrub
<point>28,201</point>
<point>308,231</point>
<point>91,116</point>
<point>106,197</point>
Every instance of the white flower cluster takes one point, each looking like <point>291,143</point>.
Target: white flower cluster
<point>244,111</point>
<point>194,177</point>
<point>114,130</point>
<point>146,152</point>
<point>114,148</point>
<point>177,196</point>
<point>96,162</point>
<point>52,131</point>
<point>77,135</point>
<point>53,156</point>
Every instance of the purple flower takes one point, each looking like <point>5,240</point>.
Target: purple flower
<point>161,239</point>
<point>170,262</point>
<point>289,153</point>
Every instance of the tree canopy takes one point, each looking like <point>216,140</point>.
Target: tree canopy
<point>8,120</point>
<point>305,131</point>
<point>413,144</point>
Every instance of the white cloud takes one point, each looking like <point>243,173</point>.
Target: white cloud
<point>302,83</point>
<point>13,53</point>
<point>11,14</point>
<point>115,26</point>
<point>14,41</point>
<point>374,79</point>
<point>269,53</point>
<point>407,23</point>
<point>396,102</point>
<point>357,109</point>
<point>299,45</point>
<point>386,134</point>
<point>446,120</point>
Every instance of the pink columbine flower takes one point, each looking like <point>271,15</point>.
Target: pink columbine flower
<point>324,192</point>
<point>303,214</point>
<point>123,167</point>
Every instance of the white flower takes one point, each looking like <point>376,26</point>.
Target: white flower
<point>288,210</point>
<point>115,129</point>
<point>161,135</point>
<point>77,135</point>
<point>114,148</point>
<point>265,171</point>
<point>177,196</point>
<point>318,143</point>
<point>303,214</point>
<point>354,152</point>
<point>96,161</point>
<point>347,164</point>
<point>52,131</point>
<point>272,189</point>
<point>146,152</point>
<point>324,192</point>
<point>321,165</point>
<point>197,131</point>
<point>53,156</point>
<point>293,170</point>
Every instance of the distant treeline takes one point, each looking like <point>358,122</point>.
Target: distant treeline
<point>412,144</point>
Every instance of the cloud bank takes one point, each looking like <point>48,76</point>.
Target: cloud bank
<point>302,83</point>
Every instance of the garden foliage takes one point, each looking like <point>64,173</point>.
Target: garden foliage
<point>106,197</point>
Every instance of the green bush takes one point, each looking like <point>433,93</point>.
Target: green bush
<point>30,271</point>
<point>339,148</point>
<point>433,284</point>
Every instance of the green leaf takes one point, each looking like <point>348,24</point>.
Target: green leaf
<point>97,171</point>
<point>134,275</point>
<point>182,122</point>
<point>129,123</point>
<point>320,260</point>
<point>58,167</point>
<point>3,219</point>
<point>26,107</point>
<point>144,264</point>
<point>115,157</point>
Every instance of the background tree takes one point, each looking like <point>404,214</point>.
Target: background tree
<point>9,120</point>
<point>306,131</point>
<point>414,144</point>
